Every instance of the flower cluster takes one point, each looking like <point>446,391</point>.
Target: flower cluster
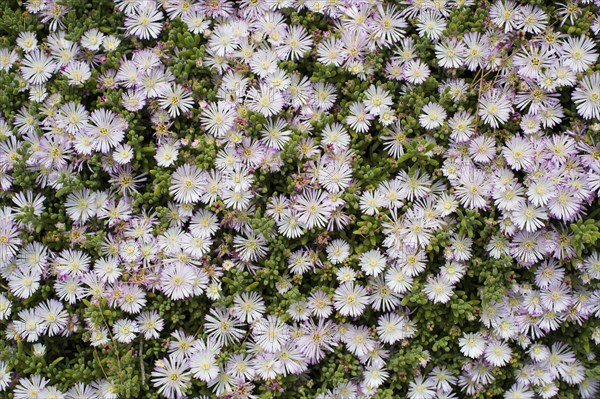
<point>342,199</point>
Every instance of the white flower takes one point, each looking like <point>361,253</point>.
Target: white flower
<point>472,345</point>
<point>337,251</point>
<point>433,115</point>
<point>431,24</point>
<point>248,306</point>
<point>124,330</point>
<point>171,377</point>
<point>579,53</point>
<point>314,208</point>
<point>167,154</point>
<point>498,353</point>
<point>218,118</point>
<point>416,72</point>
<point>37,68</point>
<point>106,128</point>
<point>5,307</point>
<point>438,289</point>
<point>176,100</point>
<point>532,19</point>
<point>372,262</point>
<point>188,184</point>
<point>251,248</point>
<point>494,108</point>
<point>27,41</point>
<point>81,205</point>
<point>92,39</point>
<point>223,327</point>
<point>266,101</point>
<point>350,299</point>
<point>203,365</point>
<point>376,98</point>
<point>587,97</point>
<point>421,388</point>
<point>177,281</point>
<point>5,376</point>
<point>145,21</point>
<point>375,376</point>
<point>270,334</point>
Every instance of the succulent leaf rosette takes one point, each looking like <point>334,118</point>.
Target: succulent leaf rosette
<point>299,199</point>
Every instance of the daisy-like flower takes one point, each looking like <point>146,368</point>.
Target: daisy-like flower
<point>320,304</point>
<point>359,118</point>
<point>188,184</point>
<point>176,100</point>
<point>472,345</point>
<point>450,53</point>
<point>518,153</point>
<point>30,387</point>
<point>5,376</point>
<point>324,95</point>
<point>177,281</point>
<point>374,376</point>
<point>167,154</point>
<point>107,129</point>
<point>30,325</point>
<point>317,339</point>
<point>337,251</point>
<point>494,108</point>
<point>392,328</point>
<point>431,24</point>
<point>218,118</point>
<point>432,115</point>
<point>92,39</point>
<point>579,53</point>
<point>150,323</point>
<point>27,41</point>
<point>587,97</point>
<point>54,316</point>
<point>203,364</point>
<point>5,307</point>
<point>81,205</point>
<point>270,334</point>
<point>145,21</point>
<point>505,15</point>
<point>171,377</point>
<point>314,208</point>
<point>37,68</point>
<point>182,345</point>
<point>416,72</point>
<point>529,217</point>
<point>438,289</point>
<point>372,262</point>
<point>295,44</point>
<point>350,299</point>
<point>473,189</point>
<point>421,388</point>
<point>77,72</point>
<point>275,133</point>
<point>532,19</point>
<point>248,306</point>
<point>7,59</point>
<point>498,353</point>
<point>266,100</point>
<point>564,204</point>
<point>376,98</point>
<point>72,117</point>
<point>388,24</point>
<point>125,330</point>
<point>223,326</point>
<point>250,248</point>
